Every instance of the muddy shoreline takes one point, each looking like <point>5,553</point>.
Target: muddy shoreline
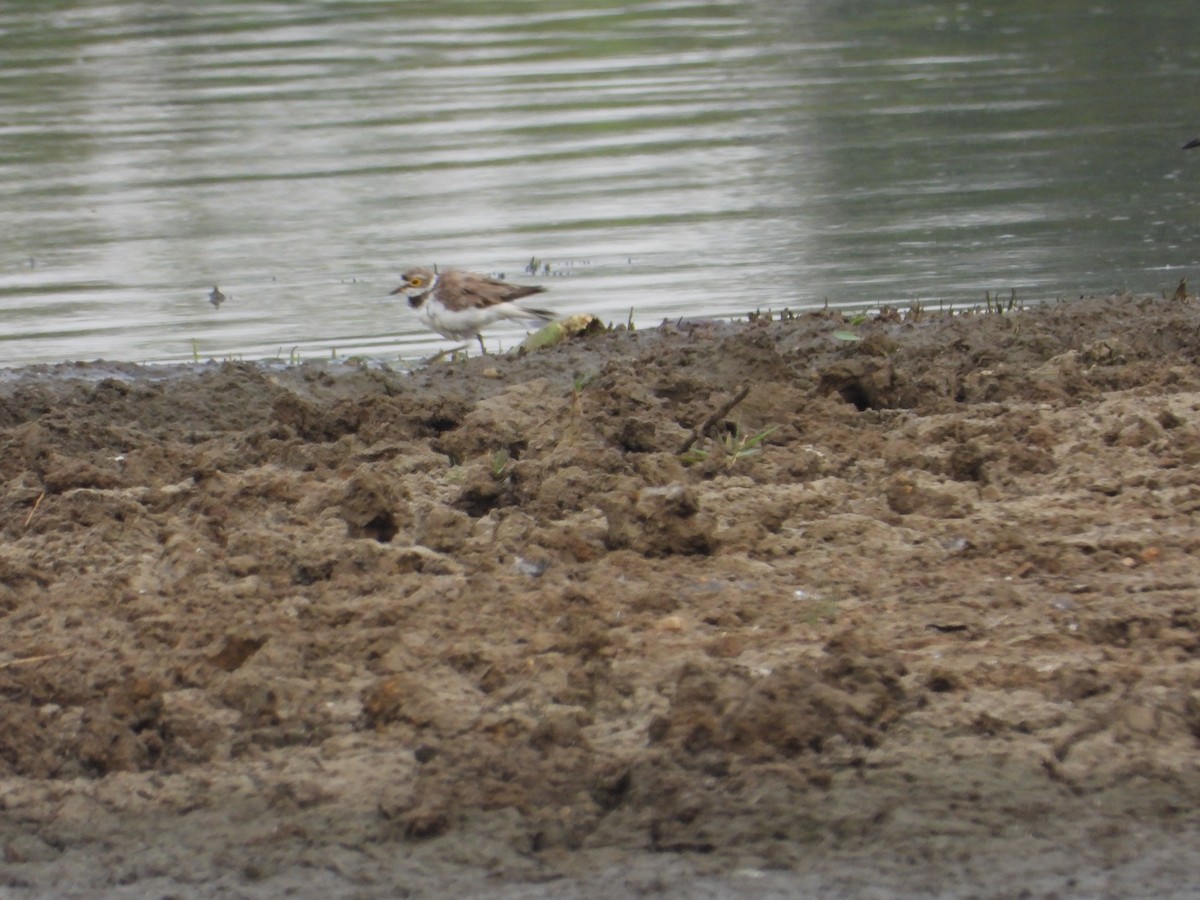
<point>920,615</point>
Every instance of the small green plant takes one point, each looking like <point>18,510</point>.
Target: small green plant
<point>1181,294</point>
<point>499,460</point>
<point>819,612</point>
<point>997,305</point>
<point>734,446</point>
<point>843,334</point>
<point>581,381</point>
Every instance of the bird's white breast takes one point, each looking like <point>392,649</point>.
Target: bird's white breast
<point>456,324</point>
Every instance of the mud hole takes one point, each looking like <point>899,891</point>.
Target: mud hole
<point>343,632</point>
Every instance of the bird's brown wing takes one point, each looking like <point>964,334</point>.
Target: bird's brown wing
<point>517,291</point>
<point>481,292</point>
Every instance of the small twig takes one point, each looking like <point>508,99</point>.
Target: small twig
<point>699,431</point>
<point>36,504</point>
<point>33,659</point>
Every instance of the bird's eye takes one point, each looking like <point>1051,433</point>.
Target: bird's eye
<point>415,282</point>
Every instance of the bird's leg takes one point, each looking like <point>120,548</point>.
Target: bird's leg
<point>482,348</point>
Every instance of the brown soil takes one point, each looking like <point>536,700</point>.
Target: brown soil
<point>331,631</point>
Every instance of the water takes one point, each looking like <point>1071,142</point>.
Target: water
<point>670,158</point>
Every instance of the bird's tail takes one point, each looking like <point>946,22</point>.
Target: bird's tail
<point>512,311</point>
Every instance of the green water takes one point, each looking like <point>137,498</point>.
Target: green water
<point>673,158</point>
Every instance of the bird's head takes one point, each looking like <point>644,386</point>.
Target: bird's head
<point>415,284</point>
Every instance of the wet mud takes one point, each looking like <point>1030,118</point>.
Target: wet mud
<point>920,611</point>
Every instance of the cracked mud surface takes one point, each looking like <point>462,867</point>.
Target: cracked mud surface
<point>339,632</point>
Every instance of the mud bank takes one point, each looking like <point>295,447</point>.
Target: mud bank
<point>484,628</point>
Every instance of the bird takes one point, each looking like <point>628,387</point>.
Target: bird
<point>216,298</point>
<point>461,304</point>
<point>1194,142</point>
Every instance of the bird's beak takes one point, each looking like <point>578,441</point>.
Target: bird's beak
<point>398,290</point>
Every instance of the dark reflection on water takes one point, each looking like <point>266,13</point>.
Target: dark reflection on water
<point>669,158</point>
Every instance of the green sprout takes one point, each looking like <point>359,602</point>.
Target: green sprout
<point>997,305</point>
<point>734,446</point>
<point>499,460</point>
